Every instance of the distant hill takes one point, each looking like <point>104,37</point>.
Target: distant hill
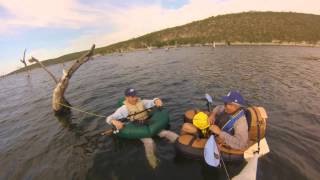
<point>247,27</point>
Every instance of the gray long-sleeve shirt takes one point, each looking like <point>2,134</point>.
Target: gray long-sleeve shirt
<point>122,112</point>
<point>241,136</point>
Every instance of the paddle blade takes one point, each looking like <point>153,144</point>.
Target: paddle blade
<point>249,172</point>
<point>211,152</point>
<point>209,98</point>
<point>264,149</point>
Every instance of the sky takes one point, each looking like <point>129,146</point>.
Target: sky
<point>51,28</point>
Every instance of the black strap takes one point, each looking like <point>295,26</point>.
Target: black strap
<point>258,128</point>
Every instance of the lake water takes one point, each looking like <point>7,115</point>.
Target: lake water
<point>34,144</point>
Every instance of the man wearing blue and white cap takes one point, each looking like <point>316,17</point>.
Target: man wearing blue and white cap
<point>135,108</point>
<point>229,121</point>
<point>132,105</point>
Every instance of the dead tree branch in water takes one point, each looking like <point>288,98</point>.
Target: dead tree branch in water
<point>23,60</point>
<point>58,100</point>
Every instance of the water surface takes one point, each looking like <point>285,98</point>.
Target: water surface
<point>284,80</point>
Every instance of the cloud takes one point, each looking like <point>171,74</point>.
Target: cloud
<point>111,21</point>
<point>139,20</point>
<point>42,13</point>
<point>135,21</point>
<point>130,21</point>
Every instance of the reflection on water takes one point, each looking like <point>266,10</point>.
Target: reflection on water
<point>65,120</point>
<point>285,80</point>
<point>149,148</point>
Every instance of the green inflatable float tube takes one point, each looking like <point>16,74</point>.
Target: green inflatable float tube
<point>159,120</point>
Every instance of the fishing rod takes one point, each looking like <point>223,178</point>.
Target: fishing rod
<point>98,115</point>
<point>211,156</point>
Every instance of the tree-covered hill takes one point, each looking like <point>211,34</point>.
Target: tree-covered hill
<point>248,27</point>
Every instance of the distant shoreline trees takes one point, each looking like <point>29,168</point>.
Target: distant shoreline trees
<point>268,28</point>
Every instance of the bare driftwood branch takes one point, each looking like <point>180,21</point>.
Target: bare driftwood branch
<point>24,58</point>
<point>37,61</point>
<point>58,100</point>
<point>83,59</point>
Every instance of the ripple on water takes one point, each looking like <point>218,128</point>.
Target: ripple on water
<point>34,145</point>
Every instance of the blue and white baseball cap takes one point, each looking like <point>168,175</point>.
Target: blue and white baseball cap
<point>233,97</point>
<point>130,92</point>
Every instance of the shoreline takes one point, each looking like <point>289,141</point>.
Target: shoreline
<point>275,44</point>
<point>290,44</point>
<point>293,44</point>
<point>217,44</point>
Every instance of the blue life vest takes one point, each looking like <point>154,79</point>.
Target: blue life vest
<point>228,127</point>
